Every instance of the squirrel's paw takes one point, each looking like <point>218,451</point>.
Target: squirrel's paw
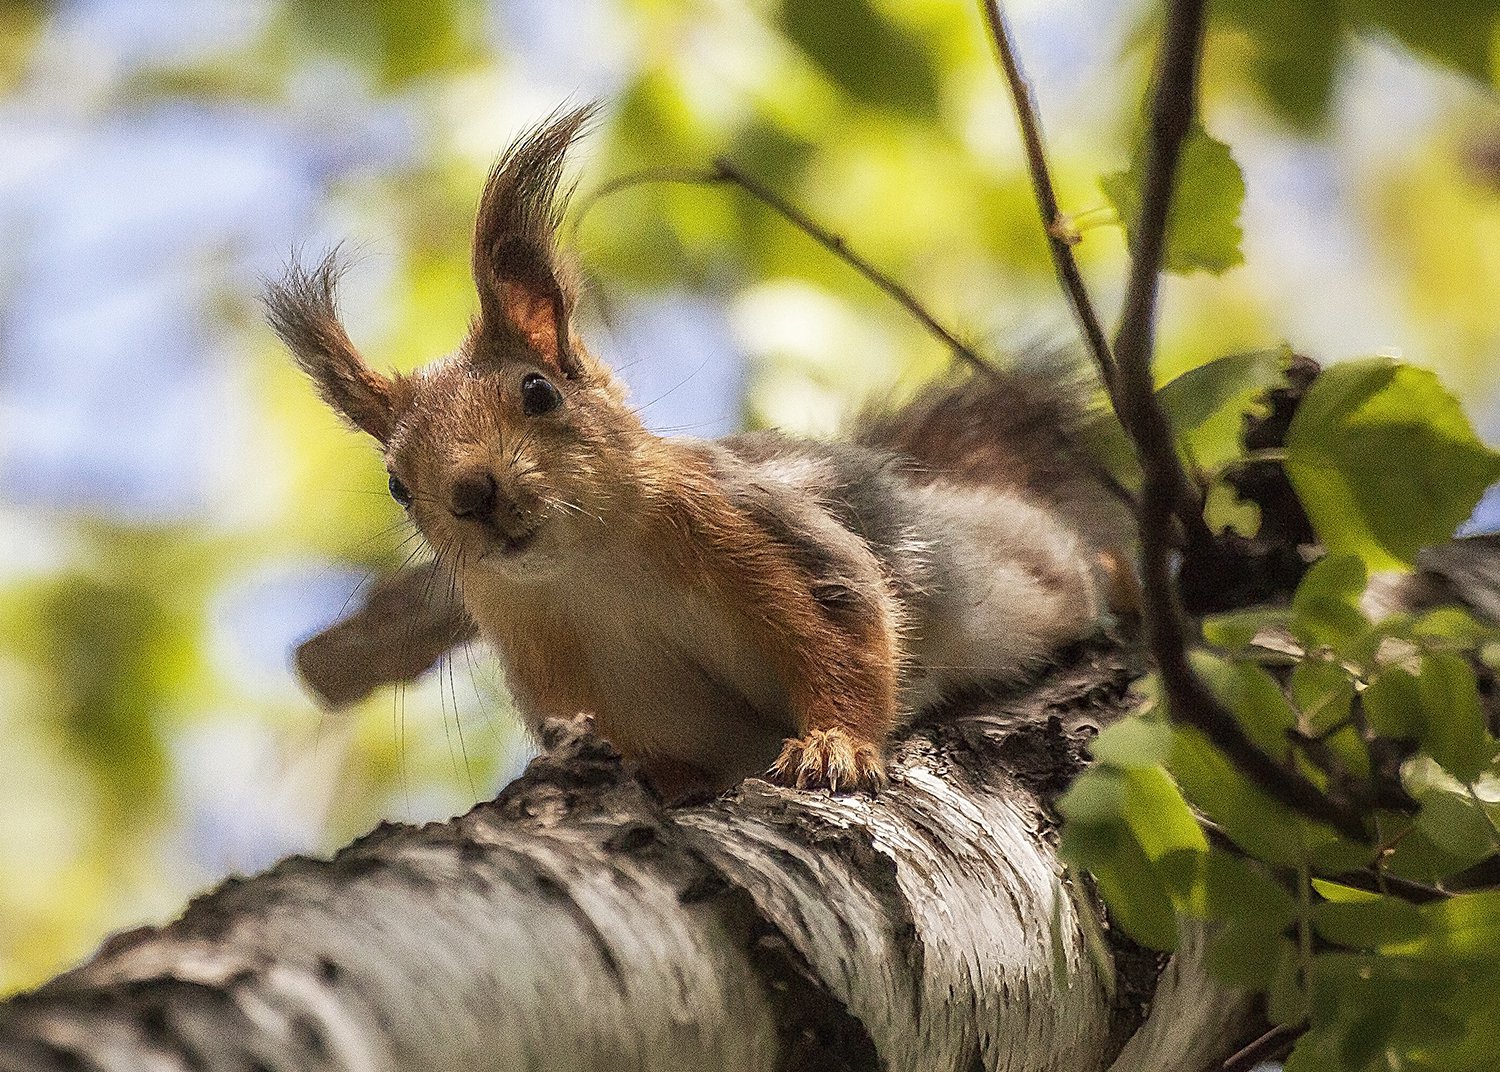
<point>829,759</point>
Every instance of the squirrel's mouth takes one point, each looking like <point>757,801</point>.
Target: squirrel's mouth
<point>514,545</point>
<point>508,545</point>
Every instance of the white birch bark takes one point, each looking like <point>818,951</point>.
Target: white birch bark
<point>575,923</point>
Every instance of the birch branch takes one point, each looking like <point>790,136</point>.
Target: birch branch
<point>575,923</point>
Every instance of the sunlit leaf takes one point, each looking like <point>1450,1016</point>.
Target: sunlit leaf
<point>1203,233</point>
<point>1133,742</point>
<point>1158,816</point>
<point>1207,405</point>
<point>1355,422</point>
<point>1465,927</point>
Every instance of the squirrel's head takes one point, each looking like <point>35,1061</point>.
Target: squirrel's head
<point>504,453</point>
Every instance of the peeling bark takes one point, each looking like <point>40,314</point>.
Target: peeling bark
<point>576,923</point>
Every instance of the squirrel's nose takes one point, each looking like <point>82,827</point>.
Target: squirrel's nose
<point>472,495</point>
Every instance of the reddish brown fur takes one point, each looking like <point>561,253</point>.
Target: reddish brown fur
<point>615,571</point>
<point>715,545</point>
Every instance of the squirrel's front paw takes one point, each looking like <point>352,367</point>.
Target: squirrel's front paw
<point>829,759</point>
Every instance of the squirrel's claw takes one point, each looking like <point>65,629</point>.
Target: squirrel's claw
<point>829,759</point>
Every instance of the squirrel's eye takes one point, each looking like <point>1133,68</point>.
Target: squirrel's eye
<point>538,396</point>
<point>399,491</point>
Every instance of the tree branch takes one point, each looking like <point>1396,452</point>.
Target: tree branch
<point>1054,223</point>
<point>725,172</point>
<point>1167,493</point>
<point>574,923</point>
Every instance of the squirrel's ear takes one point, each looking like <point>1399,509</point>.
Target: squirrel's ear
<point>302,312</point>
<point>522,292</point>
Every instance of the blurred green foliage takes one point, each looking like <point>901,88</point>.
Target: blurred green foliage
<point>887,121</point>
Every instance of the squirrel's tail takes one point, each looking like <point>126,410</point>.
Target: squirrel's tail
<point>1025,430</point>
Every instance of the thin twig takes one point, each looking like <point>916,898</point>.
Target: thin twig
<point>1166,493</point>
<point>1174,101</point>
<point>724,172</point>
<point>1054,224</point>
<point>1271,1045</point>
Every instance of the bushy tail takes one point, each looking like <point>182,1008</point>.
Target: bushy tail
<point>1021,429</point>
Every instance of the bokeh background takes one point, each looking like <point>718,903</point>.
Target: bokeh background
<point>176,510</point>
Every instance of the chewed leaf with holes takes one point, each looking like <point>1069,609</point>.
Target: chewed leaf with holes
<point>1385,461</point>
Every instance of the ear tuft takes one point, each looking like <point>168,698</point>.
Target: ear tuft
<point>302,311</point>
<point>521,290</point>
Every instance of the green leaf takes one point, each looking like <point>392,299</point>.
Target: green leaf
<point>1207,405</point>
<point>1158,816</point>
<point>1465,927</point>
<point>1235,629</point>
<point>1393,704</point>
<point>1418,857</point>
<point>396,40</point>
<point>870,57</point>
<point>1334,891</point>
<point>1457,824</point>
<point>1298,46</point>
<point>1260,825</point>
<point>1349,748</point>
<point>1325,607</point>
<point>1096,797</point>
<point>1254,697</point>
<point>1456,33</point>
<point>1369,924</point>
<point>1385,461</point>
<point>1203,233</point>
<point>1137,898</point>
<point>1133,742</point>
<point>1324,693</point>
<point>1454,730</point>
<point>1453,625</point>
<point>1224,509</point>
<point>1248,955</point>
<point>1227,887</point>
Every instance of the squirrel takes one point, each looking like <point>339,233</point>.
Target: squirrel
<point>757,603</point>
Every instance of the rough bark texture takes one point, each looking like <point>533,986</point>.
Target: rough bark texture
<point>576,923</point>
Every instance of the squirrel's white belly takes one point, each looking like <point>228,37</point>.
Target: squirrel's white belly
<point>676,676</point>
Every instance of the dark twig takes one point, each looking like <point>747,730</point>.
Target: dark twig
<point>1166,493</point>
<point>1054,223</point>
<point>1275,1043</point>
<point>724,172</point>
<point>1173,102</point>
